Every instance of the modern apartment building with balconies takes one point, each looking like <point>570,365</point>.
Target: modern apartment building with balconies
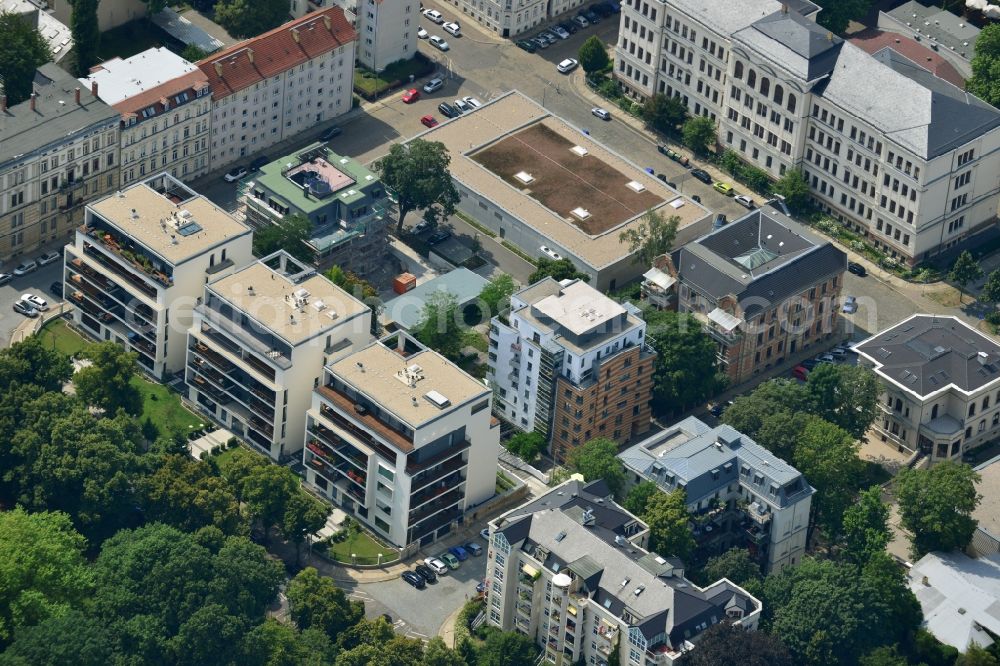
<point>571,571</point>
<point>259,342</point>
<point>572,364</point>
<point>940,381</point>
<point>139,263</point>
<point>403,440</point>
<point>739,494</point>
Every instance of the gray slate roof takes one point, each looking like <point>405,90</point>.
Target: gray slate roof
<point>56,115</point>
<point>796,43</point>
<point>407,309</point>
<point>926,353</point>
<point>928,20</point>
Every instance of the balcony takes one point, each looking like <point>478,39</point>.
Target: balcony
<point>342,450</point>
<point>454,481</point>
<point>757,535</point>
<point>211,356</point>
<point>366,419</point>
<point>114,267</point>
<point>71,184</point>
<point>433,523</point>
<point>271,348</point>
<point>212,392</point>
<point>449,499</point>
<point>430,476</point>
<point>128,254</point>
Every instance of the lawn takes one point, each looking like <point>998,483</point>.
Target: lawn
<point>57,335</point>
<point>364,546</point>
<point>164,408</point>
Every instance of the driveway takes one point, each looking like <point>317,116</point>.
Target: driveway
<point>35,283</point>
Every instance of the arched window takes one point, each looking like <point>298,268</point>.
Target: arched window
<point>791,103</point>
<point>739,70</point>
<point>765,86</point>
<point>779,94</point>
<point>751,78</point>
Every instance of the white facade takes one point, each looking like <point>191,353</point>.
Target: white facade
<point>510,18</point>
<point>258,344</point>
<point>387,29</point>
<point>138,266</point>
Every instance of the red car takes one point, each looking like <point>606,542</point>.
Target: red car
<point>429,121</point>
<point>411,96</point>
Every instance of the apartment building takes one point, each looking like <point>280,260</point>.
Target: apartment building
<point>940,386</point>
<point>258,344</point>
<point>139,263</point>
<point>764,287</point>
<point>739,494</point>
<point>110,13</point>
<point>571,571</point>
<point>346,203</point>
<point>165,104</point>
<point>403,440</point>
<point>510,19</point>
<point>58,149</point>
<point>387,29</point>
<point>279,84</point>
<point>572,364</point>
<point>915,168</point>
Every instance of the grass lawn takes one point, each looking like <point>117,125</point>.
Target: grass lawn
<point>475,339</point>
<point>164,408</point>
<point>365,547</point>
<point>57,335</point>
<point>948,296</point>
<point>132,38</point>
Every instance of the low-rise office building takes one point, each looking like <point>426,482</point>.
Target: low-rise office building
<point>739,494</point>
<point>346,203</point>
<point>940,386</point>
<point>403,440</point>
<point>572,364</point>
<point>571,571</point>
<point>259,342</point>
<point>139,264</point>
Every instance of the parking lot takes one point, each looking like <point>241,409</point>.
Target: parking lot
<point>37,283</point>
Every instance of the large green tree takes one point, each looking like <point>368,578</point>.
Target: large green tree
<point>598,459</point>
<point>290,235</point>
<point>965,270</point>
<point>304,515</point>
<point>638,497</point>
<point>699,134</point>
<point>317,602</point>
<point>593,55</point>
<point>836,14</point>
<point>107,381</point>
<point>29,362</point>
<point>736,564</point>
<point>71,638</point>
<point>828,457</point>
<point>267,491</point>
<point>794,188</point>
<point>86,35</point>
<point>669,529</point>
<point>985,81</point>
<point>495,296</point>
<point>684,373</point>
<point>276,643</point>
<point>726,644</point>
<point>990,293</point>
<point>417,173</point>
<point>653,236</point>
<point>526,445</point>
<point>557,269</point>
<point>866,526</point>
<point>184,493</point>
<point>437,653</point>
<point>749,412</point>
<point>440,324</point>
<point>844,395</point>
<point>249,18</point>
<point>936,505</point>
<point>663,112</point>
<point>507,648</point>
<point>22,50</point>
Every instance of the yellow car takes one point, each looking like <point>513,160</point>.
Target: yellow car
<point>725,188</point>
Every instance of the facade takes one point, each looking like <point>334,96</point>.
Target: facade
<point>57,150</point>
<point>571,571</point>
<point>915,169</point>
<point>403,440</point>
<point>258,344</point>
<point>572,364</point>
<point>345,202</point>
<point>764,287</point>
<point>577,211</point>
<point>940,381</point>
<point>387,29</point>
<point>279,84</point>
<point>166,107</point>
<point>510,19</point>
<point>986,538</point>
<point>110,13</point>
<point>139,263</point>
<point>739,494</point>
<point>949,34</point>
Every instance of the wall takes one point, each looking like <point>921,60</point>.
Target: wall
<point>110,13</point>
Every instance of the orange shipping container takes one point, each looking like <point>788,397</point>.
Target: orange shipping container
<point>404,283</point>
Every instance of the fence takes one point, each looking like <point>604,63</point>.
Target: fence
<point>32,326</point>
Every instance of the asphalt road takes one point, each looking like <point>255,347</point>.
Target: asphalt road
<point>34,283</point>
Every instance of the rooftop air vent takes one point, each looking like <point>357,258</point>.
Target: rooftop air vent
<point>319,305</point>
<point>578,150</point>
<point>437,399</point>
<point>580,213</point>
<point>635,186</point>
<point>524,177</point>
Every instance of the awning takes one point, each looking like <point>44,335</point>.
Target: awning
<point>725,320</point>
<point>529,570</point>
<point>659,278</point>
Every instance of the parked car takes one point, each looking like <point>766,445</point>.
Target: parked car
<point>25,267</point>
<point>850,305</point>
<point>452,29</point>
<point>56,288</point>
<point>414,579</point>
<point>569,27</point>
<point>5,278</point>
<point>695,198</point>
<point>725,188</point>
<point>552,254</point>
<point>472,102</point>
<point>527,45</point>
<point>745,201</point>
<point>48,257</point>
<point>422,34</point>
<point>434,16</point>
<point>473,549</point>
<point>480,587</point>
<point>717,410</point>
<point>720,221</point>
<point>540,42</point>
<point>809,363</point>
<point>439,237</point>
<point>702,175</point>
<point>259,161</point>
<point>581,21</point>
<point>428,121</point>
<point>235,174</point>
<point>448,111</point>
<point>426,572</point>
<point>799,372</point>
<point>838,352</point>
<point>411,96</point>
<point>450,560</point>
<point>25,309</point>
<point>331,133</point>
<point>459,552</point>
<point>438,43</point>
<point>436,565</point>
<point>560,32</point>
<point>856,268</point>
<point>36,302</point>
<point>434,85</point>
<point>420,227</point>
<point>592,16</point>
<point>826,358</point>
<point>485,533</point>
<point>462,106</point>
<point>567,65</point>
<point>601,113</point>
<point>387,618</point>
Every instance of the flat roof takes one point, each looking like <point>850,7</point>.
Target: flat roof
<point>578,307</point>
<point>315,177</point>
<point>511,115</point>
<point>119,79</point>
<point>274,301</point>
<point>987,512</point>
<point>374,369</point>
<point>159,223</point>
<point>407,309</point>
<point>952,32</point>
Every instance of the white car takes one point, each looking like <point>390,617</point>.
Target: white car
<point>422,34</point>
<point>453,29</point>
<point>850,305</point>
<point>48,258</point>
<point>485,533</point>
<point>550,252</point>
<point>420,227</point>
<point>439,43</point>
<point>436,565</point>
<point>434,16</point>
<point>434,85</point>
<point>825,358</point>
<point>472,102</point>
<point>36,302</point>
<point>567,65</point>
<point>560,32</point>
<point>745,200</point>
<point>462,106</point>
<point>603,114</point>
<point>235,174</point>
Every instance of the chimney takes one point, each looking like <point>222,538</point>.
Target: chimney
<point>77,92</point>
<point>33,96</point>
<point>295,35</point>
<point>93,88</point>
<point>250,55</point>
<point>326,21</point>
<point>218,69</point>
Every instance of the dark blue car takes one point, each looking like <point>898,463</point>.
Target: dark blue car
<point>459,552</point>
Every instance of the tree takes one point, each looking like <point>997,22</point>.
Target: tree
<point>866,526</point>
<point>107,382</point>
<point>836,14</point>
<point>154,7</point>
<point>249,18</point>
<point>887,655</point>
<point>184,493</point>
<point>963,271</point>
<point>844,395</point>
<point>507,648</point>
<point>304,515</point>
<point>210,636</point>
<point>725,644</point>
<point>667,517</point>
<point>417,173</point>
<point>654,236</point>
<point>275,643</point>
<point>192,53</point>
<point>291,234</point>
<point>598,459</point>
<point>439,326</point>
<point>734,564</point>
<point>664,112</point>
<point>28,362</point>
<point>749,412</point>
<point>936,505</point>
<point>976,656</point>
<point>828,457</point>
<point>245,578</point>
<point>985,81</point>
<point>638,497</point>
<point>699,134</point>
<point>731,162</point>
<point>990,293</point>
<point>685,372</point>
<point>267,492</point>
<point>86,35</point>
<point>42,569</point>
<point>557,269</point>
<point>526,445</point>
<point>495,296</point>
<point>593,55</point>
<point>23,49</point>
<point>438,654</point>
<point>317,602</point>
<point>72,638</point>
<point>794,188</point>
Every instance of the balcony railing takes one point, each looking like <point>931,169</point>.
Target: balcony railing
<point>449,499</point>
<point>414,468</point>
<point>346,405</point>
<point>431,476</point>
<point>121,271</point>
<point>137,260</point>
<point>214,357</point>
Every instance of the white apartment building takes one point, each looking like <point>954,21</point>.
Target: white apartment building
<point>510,18</point>
<point>402,439</point>
<point>387,29</point>
<point>166,108</point>
<point>901,156</point>
<point>279,84</point>
<point>739,494</point>
<point>940,381</point>
<point>139,264</point>
<point>571,571</point>
<point>258,344</point>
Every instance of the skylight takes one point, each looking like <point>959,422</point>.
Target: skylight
<point>755,258</point>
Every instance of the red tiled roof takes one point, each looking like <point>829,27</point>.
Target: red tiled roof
<point>274,52</point>
<point>156,97</point>
<point>873,41</point>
